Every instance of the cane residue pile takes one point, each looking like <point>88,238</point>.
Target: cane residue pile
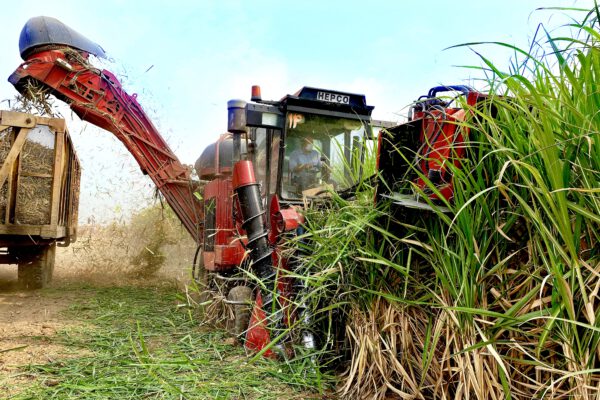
<point>33,179</point>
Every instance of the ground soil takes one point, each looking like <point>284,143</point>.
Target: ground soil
<point>27,323</point>
<point>25,317</point>
<point>30,319</point>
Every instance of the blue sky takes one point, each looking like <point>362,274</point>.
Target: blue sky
<point>203,53</point>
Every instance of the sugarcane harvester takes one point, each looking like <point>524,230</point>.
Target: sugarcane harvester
<point>276,155</point>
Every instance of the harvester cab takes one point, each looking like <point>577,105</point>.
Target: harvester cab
<point>308,141</point>
<point>416,159</point>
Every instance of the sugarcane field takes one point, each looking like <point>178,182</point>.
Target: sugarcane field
<point>310,200</point>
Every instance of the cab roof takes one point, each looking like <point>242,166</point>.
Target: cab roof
<point>333,100</point>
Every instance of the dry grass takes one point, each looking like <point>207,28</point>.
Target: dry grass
<point>412,354</point>
<point>34,192</point>
<point>35,99</point>
<point>33,200</point>
<point>211,303</point>
<point>152,247</point>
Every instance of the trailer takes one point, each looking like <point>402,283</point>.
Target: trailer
<point>39,194</point>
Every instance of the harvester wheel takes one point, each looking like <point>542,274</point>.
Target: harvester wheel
<point>200,276</point>
<point>199,273</point>
<point>36,267</point>
<point>241,297</point>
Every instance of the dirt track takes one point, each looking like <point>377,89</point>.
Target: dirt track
<point>25,318</point>
<point>29,319</point>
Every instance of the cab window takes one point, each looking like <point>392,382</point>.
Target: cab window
<point>320,154</point>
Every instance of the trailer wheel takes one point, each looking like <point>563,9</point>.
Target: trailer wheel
<point>49,259</point>
<point>241,297</point>
<point>36,267</point>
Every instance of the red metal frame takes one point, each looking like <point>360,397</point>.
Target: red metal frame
<point>228,251</point>
<point>443,138</point>
<point>442,142</point>
<point>257,336</point>
<point>97,96</point>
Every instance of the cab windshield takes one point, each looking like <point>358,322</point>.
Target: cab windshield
<point>322,153</point>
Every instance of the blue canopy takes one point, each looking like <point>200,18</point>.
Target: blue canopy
<point>47,31</point>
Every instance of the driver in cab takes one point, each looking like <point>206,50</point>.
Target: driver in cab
<point>305,164</point>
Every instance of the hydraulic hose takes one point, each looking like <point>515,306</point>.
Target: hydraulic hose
<point>250,201</point>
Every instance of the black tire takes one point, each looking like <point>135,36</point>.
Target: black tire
<point>36,266</point>
<point>200,277</point>
<point>199,273</point>
<point>241,297</point>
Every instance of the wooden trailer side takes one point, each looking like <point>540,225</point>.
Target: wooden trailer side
<point>39,193</point>
<point>62,200</point>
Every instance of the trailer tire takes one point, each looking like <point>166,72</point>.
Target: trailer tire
<point>241,296</point>
<point>49,259</point>
<point>36,268</point>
